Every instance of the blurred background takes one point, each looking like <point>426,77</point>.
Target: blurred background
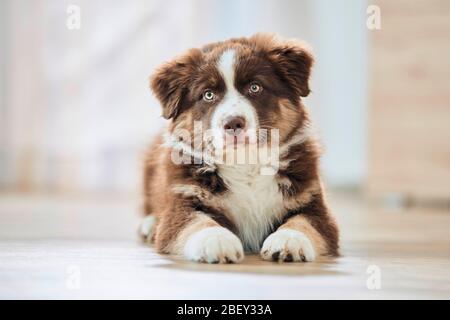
<point>76,113</point>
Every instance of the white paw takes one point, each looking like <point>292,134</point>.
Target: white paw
<point>147,227</point>
<point>288,245</point>
<point>214,245</point>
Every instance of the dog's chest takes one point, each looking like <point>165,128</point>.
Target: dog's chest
<point>254,202</point>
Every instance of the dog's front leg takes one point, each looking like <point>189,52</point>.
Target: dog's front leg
<point>303,237</point>
<point>295,240</point>
<point>202,239</point>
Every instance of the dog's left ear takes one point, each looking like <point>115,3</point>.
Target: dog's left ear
<point>293,60</point>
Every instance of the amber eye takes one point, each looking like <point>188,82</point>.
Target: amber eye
<point>255,88</point>
<point>208,95</point>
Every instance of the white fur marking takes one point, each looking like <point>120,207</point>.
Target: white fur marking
<point>300,137</point>
<point>226,67</point>
<point>214,244</point>
<point>147,225</point>
<point>171,141</point>
<point>233,104</point>
<point>288,241</point>
<point>187,190</point>
<point>253,200</point>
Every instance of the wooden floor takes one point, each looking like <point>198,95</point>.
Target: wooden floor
<point>67,247</point>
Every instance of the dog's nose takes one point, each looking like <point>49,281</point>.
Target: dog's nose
<point>234,123</point>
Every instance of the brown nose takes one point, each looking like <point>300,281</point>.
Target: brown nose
<point>234,123</point>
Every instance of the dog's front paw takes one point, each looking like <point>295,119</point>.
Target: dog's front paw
<point>214,245</point>
<point>147,227</point>
<point>288,245</point>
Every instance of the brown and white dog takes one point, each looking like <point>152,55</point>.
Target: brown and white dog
<point>213,211</point>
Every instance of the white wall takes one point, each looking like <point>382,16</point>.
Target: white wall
<point>340,98</point>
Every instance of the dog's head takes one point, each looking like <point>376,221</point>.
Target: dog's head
<point>236,88</point>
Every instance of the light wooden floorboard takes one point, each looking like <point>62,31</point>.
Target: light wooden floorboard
<point>46,240</point>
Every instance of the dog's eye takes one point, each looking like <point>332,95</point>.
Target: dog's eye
<point>208,95</point>
<point>255,88</point>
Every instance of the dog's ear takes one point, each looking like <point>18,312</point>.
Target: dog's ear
<point>293,60</point>
<point>170,82</point>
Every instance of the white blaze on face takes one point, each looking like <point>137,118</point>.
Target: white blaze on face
<point>233,103</point>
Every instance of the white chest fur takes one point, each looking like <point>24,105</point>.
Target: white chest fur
<point>253,200</point>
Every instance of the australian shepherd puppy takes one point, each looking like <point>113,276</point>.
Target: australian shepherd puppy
<point>237,169</point>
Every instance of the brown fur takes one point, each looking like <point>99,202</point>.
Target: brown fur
<point>177,193</point>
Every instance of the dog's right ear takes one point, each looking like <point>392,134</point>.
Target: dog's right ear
<point>170,82</point>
